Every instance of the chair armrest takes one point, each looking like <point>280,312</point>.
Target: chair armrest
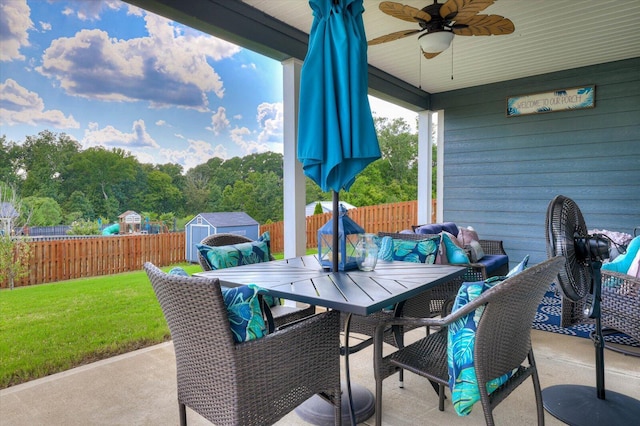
<point>438,322</point>
<point>492,247</point>
<point>315,336</point>
<point>621,303</point>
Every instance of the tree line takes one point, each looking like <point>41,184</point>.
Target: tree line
<point>59,182</point>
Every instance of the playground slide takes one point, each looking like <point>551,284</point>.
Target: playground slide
<point>111,229</point>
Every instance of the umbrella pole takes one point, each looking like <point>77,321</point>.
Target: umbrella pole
<point>336,215</point>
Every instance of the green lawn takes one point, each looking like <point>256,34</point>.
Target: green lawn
<point>49,328</point>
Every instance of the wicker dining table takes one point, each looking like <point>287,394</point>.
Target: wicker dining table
<point>303,279</point>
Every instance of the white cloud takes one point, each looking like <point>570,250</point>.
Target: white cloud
<point>45,26</point>
<point>15,22</point>
<point>242,137</point>
<point>166,68</point>
<point>384,109</point>
<point>109,136</point>
<point>270,119</point>
<point>90,10</point>
<point>269,135</point>
<point>197,152</point>
<point>21,106</point>
<point>219,121</point>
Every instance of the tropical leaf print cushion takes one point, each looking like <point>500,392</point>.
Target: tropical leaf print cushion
<point>461,341</point>
<point>237,254</point>
<point>422,251</point>
<point>243,310</point>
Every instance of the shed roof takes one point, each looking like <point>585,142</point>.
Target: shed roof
<point>228,219</point>
<point>127,213</point>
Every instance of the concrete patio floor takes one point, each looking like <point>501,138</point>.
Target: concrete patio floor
<point>139,388</point>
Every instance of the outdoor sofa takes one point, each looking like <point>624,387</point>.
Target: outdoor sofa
<point>491,260</point>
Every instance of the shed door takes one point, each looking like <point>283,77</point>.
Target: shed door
<point>198,233</point>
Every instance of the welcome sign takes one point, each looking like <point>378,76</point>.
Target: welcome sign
<point>557,100</point>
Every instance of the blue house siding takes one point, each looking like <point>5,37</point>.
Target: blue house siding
<point>500,173</point>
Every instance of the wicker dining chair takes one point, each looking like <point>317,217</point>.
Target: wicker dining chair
<point>251,383</point>
<point>502,341</point>
<point>282,314</point>
<point>428,304</point>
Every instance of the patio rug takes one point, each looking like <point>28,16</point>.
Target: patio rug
<point>548,319</point>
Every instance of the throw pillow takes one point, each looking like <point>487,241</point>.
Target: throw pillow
<point>466,235</point>
<point>422,251</point>
<point>476,251</point>
<point>385,248</point>
<point>178,271</point>
<point>460,346</point>
<point>519,267</point>
<point>634,269</point>
<point>455,254</point>
<point>417,251</point>
<point>237,254</point>
<point>243,310</point>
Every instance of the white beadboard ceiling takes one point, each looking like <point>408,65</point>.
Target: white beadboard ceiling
<point>550,35</point>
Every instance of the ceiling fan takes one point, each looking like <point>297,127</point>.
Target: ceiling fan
<point>439,22</point>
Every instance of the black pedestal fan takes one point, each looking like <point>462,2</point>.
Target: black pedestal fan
<point>579,280</point>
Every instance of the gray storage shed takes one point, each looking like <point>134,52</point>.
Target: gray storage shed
<point>205,224</point>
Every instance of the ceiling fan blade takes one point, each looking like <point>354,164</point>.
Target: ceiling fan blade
<point>463,9</point>
<point>391,37</point>
<point>480,25</point>
<point>404,12</point>
<point>430,55</point>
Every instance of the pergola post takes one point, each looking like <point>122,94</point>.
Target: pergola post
<point>425,165</point>
<point>295,223</point>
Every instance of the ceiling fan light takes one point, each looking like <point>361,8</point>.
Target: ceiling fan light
<point>435,42</point>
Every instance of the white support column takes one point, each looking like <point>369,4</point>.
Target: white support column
<point>425,164</point>
<point>295,223</point>
<point>440,171</point>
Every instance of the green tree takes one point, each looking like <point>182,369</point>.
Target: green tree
<point>79,206</point>
<point>14,251</point>
<point>9,162</point>
<point>161,195</point>
<point>84,227</point>
<point>107,178</point>
<point>44,158</point>
<point>318,209</point>
<point>260,196</point>
<point>197,191</point>
<point>44,211</point>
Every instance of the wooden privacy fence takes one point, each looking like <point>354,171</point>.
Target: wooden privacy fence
<point>64,259</point>
<point>58,260</point>
<point>383,217</point>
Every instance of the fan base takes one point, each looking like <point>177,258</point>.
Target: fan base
<point>578,405</point>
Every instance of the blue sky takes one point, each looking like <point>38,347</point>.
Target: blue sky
<point>107,73</point>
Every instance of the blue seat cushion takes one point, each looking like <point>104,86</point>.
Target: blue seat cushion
<point>493,262</point>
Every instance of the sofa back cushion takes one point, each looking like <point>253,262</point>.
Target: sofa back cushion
<point>436,228</point>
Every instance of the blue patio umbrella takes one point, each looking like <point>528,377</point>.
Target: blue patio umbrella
<point>336,134</point>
